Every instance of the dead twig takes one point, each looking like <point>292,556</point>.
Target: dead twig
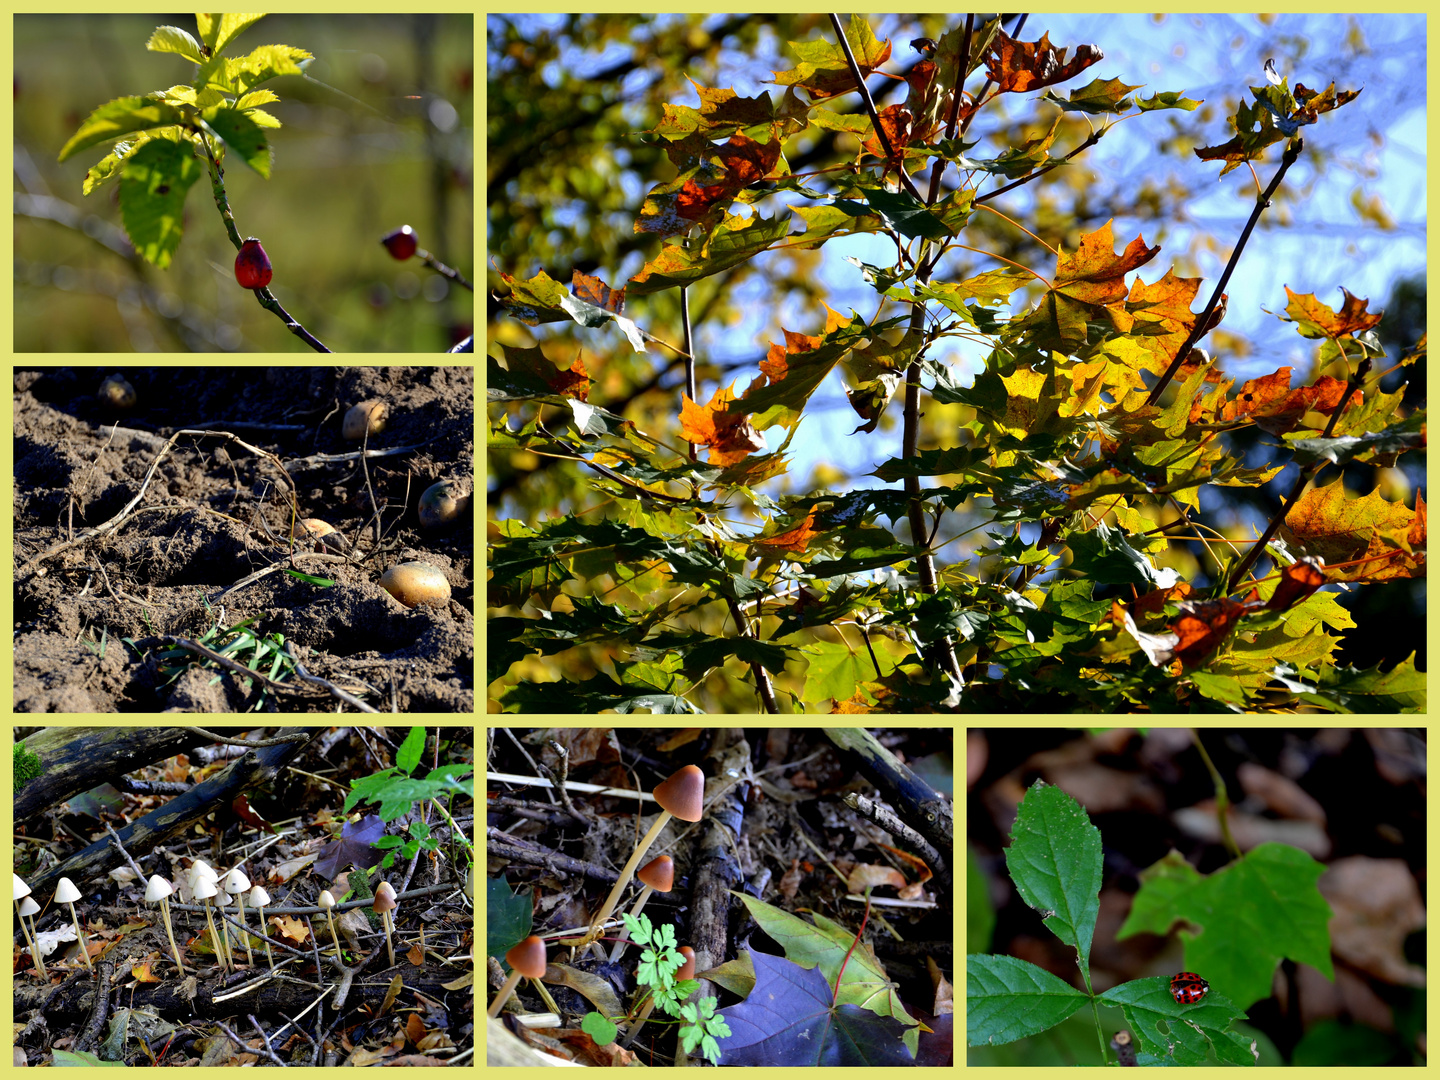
<point>891,823</point>
<point>315,680</point>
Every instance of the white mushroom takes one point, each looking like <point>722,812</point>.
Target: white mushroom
<point>22,893</point>
<point>159,890</point>
<point>235,884</point>
<point>28,906</point>
<point>258,899</point>
<point>327,901</point>
<point>66,893</point>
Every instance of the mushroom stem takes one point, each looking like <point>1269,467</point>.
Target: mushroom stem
<point>506,989</point>
<point>80,937</point>
<point>169,933</point>
<point>687,971</point>
<point>389,943</point>
<point>608,908</point>
<point>625,933</point>
<point>249,956</point>
<point>268,954</point>
<point>30,940</point>
<point>682,796</point>
<point>215,938</point>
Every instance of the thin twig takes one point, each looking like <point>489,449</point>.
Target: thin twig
<point>1291,155</point>
<point>265,1039</point>
<point>228,741</point>
<point>864,90</point>
<point>315,680</point>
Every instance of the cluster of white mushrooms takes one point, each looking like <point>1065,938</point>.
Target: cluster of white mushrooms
<point>205,885</point>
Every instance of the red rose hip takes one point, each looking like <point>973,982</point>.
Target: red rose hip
<point>401,243</point>
<point>252,265</point>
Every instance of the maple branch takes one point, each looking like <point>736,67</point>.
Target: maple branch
<point>1362,370</point>
<point>1291,155</point>
<point>1090,140</point>
<point>954,118</point>
<point>905,181</point>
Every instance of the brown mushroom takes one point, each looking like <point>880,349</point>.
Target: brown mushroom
<point>682,796</point>
<point>658,875</point>
<point>385,903</point>
<point>327,902</point>
<point>526,959</point>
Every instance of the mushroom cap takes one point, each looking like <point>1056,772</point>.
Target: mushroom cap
<point>258,897</point>
<point>28,906</point>
<point>21,889</point>
<point>683,794</point>
<point>236,881</point>
<point>687,969</point>
<point>202,887</point>
<point>158,889</point>
<point>327,899</point>
<point>203,870</point>
<point>386,888</point>
<point>528,958</point>
<point>66,892</point>
<point>385,898</point>
<point>658,873</point>
<point>202,865</point>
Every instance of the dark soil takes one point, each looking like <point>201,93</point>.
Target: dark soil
<point>201,528</point>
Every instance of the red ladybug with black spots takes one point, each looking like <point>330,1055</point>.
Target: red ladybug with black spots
<point>1187,988</point>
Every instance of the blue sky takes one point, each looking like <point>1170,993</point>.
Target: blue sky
<point>1327,242</point>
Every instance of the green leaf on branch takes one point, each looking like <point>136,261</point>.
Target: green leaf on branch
<point>217,31</point>
<point>1100,96</point>
<point>243,135</point>
<point>115,118</point>
<point>171,39</point>
<point>154,181</point>
<point>734,241</point>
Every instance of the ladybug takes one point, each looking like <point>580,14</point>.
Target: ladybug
<point>1187,988</point>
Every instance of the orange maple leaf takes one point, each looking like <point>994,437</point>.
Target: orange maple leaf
<point>1203,625</point>
<point>1297,581</point>
<point>1276,408</point>
<point>730,438</point>
<point>1017,66</point>
<point>1352,318</point>
<point>745,162</point>
<point>593,290</point>
<point>793,540</point>
<point>1362,539</point>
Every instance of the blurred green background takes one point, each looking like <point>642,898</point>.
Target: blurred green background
<point>378,134</point>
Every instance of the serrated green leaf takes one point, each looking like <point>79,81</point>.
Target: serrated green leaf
<point>115,118</point>
<point>171,39</point>
<point>1054,860</point>
<point>154,181</point>
<point>243,135</point>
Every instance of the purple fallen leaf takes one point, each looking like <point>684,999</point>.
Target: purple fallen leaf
<point>352,847</point>
<point>789,1019</point>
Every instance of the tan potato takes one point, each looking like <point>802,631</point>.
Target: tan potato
<point>415,583</point>
<point>116,393</point>
<point>322,533</point>
<point>371,413</point>
<point>443,503</point>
